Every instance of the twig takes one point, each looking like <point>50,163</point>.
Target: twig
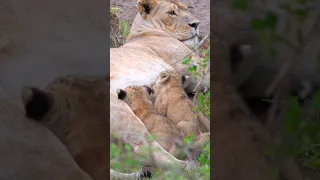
<point>193,50</point>
<point>287,65</point>
<point>272,111</point>
<point>198,84</point>
<point>202,42</point>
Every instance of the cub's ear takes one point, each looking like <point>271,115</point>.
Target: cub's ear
<point>163,76</point>
<point>36,102</point>
<point>149,89</point>
<point>121,94</point>
<point>144,7</point>
<point>184,79</point>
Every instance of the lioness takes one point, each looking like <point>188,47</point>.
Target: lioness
<point>29,151</point>
<point>172,102</point>
<point>157,42</point>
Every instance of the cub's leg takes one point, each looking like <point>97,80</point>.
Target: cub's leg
<point>200,141</point>
<point>187,128</point>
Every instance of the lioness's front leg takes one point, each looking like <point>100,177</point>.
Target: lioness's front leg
<point>130,129</point>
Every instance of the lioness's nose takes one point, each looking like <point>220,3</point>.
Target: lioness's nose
<point>194,24</point>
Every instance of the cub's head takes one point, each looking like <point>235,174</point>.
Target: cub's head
<point>172,17</point>
<point>68,101</point>
<point>135,95</point>
<point>169,79</point>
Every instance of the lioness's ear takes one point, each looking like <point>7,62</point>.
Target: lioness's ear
<point>149,89</point>
<point>164,76</point>
<point>121,94</point>
<point>144,7</point>
<point>36,102</point>
<point>184,79</point>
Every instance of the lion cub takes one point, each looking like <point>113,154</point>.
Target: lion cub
<point>74,108</point>
<point>172,102</point>
<point>166,132</point>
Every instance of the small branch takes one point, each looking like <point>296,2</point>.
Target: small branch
<point>272,112</point>
<point>198,84</point>
<point>285,68</point>
<point>193,49</point>
<point>202,42</point>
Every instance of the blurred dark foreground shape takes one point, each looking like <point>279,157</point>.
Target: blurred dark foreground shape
<point>39,41</point>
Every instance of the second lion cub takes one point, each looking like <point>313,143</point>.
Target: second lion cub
<point>172,102</point>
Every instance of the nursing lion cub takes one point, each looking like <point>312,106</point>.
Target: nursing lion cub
<point>75,110</point>
<point>164,130</point>
<point>172,102</point>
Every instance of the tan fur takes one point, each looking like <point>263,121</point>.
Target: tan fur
<point>78,117</point>
<point>125,125</point>
<point>155,43</point>
<point>31,152</point>
<point>165,131</point>
<point>172,102</point>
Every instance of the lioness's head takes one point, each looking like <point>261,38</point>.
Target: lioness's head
<point>135,94</point>
<point>172,17</point>
<point>168,79</point>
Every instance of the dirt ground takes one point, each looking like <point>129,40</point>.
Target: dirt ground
<point>199,8</point>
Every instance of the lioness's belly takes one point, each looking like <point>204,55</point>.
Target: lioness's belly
<point>132,67</point>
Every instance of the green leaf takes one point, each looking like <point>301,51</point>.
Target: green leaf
<point>271,151</point>
<point>302,14</point>
<point>316,100</point>
<point>128,147</point>
<point>240,4</point>
<point>267,38</point>
<point>189,139</point>
<point>187,60</point>
<point>293,117</point>
<point>257,24</point>
<point>193,70</point>
<point>271,21</point>
<point>303,2</point>
<point>201,98</point>
<point>202,159</point>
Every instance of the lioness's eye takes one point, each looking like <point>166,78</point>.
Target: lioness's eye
<point>171,13</point>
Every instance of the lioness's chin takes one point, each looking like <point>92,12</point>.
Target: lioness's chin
<point>192,42</point>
